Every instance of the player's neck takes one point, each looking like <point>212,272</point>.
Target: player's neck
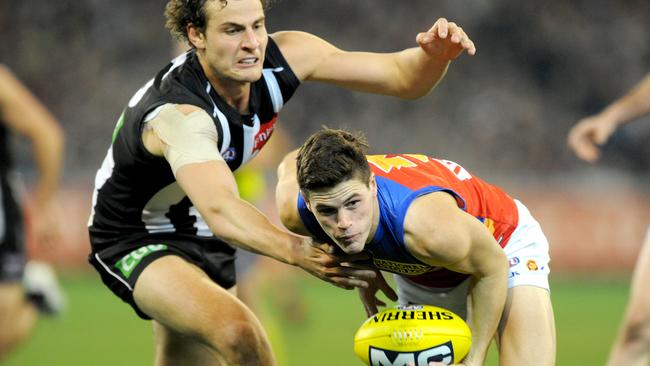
<point>236,94</point>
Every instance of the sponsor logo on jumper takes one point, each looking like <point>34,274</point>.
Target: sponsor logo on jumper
<point>401,268</point>
<point>532,265</point>
<point>264,134</point>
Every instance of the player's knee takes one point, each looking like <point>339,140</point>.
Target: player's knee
<point>236,335</point>
<point>241,342</point>
<point>638,331</point>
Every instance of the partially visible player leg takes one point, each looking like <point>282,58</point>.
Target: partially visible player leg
<point>632,346</point>
<point>526,333</point>
<point>174,348</point>
<point>17,316</point>
<point>198,322</point>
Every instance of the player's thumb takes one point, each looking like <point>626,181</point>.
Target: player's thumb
<point>424,38</point>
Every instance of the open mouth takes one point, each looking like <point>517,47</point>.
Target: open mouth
<point>248,61</point>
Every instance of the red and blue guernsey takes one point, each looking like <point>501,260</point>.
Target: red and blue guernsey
<point>400,180</point>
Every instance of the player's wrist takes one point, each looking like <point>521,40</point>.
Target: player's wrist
<point>614,116</point>
<point>297,250</point>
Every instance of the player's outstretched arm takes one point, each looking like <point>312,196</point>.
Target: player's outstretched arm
<point>586,137</point>
<point>409,74</point>
<point>185,135</point>
<point>437,232</point>
<point>23,113</point>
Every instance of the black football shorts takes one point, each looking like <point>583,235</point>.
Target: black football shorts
<point>120,265</point>
<point>12,249</point>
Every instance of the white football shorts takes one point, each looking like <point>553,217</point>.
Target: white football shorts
<point>528,255</point>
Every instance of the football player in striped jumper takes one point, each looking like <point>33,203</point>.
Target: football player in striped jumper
<point>166,214</point>
<point>27,287</point>
<point>447,235</point>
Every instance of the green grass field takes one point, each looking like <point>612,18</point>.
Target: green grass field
<point>99,330</point>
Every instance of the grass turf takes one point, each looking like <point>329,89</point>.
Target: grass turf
<point>99,330</point>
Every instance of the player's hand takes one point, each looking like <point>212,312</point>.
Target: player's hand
<point>445,40</point>
<point>319,260</point>
<point>586,137</point>
<point>369,297</point>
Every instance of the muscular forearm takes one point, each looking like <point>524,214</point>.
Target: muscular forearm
<point>488,299</point>
<point>419,73</point>
<point>633,105</point>
<point>241,224</point>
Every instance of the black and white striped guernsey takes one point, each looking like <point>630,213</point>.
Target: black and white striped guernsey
<point>136,194</point>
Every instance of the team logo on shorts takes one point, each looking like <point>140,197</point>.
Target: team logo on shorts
<point>532,265</point>
<point>513,261</point>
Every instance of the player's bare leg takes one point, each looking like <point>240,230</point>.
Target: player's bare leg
<point>198,322</point>
<point>17,317</point>
<point>527,331</point>
<point>632,346</point>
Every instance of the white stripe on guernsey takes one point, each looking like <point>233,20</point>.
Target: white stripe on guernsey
<point>154,212</point>
<point>201,226</point>
<point>222,120</point>
<point>2,219</point>
<point>153,114</point>
<point>249,139</point>
<point>103,173</point>
<point>178,61</point>
<point>139,94</point>
<point>274,88</point>
<point>112,273</point>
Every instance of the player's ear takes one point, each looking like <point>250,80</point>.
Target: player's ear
<point>373,185</point>
<point>196,37</point>
<point>306,198</point>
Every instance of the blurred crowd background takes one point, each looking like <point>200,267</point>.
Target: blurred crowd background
<point>503,113</point>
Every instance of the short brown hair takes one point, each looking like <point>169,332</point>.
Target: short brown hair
<point>329,157</point>
<point>181,13</point>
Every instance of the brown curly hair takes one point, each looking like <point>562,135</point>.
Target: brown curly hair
<point>180,13</point>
